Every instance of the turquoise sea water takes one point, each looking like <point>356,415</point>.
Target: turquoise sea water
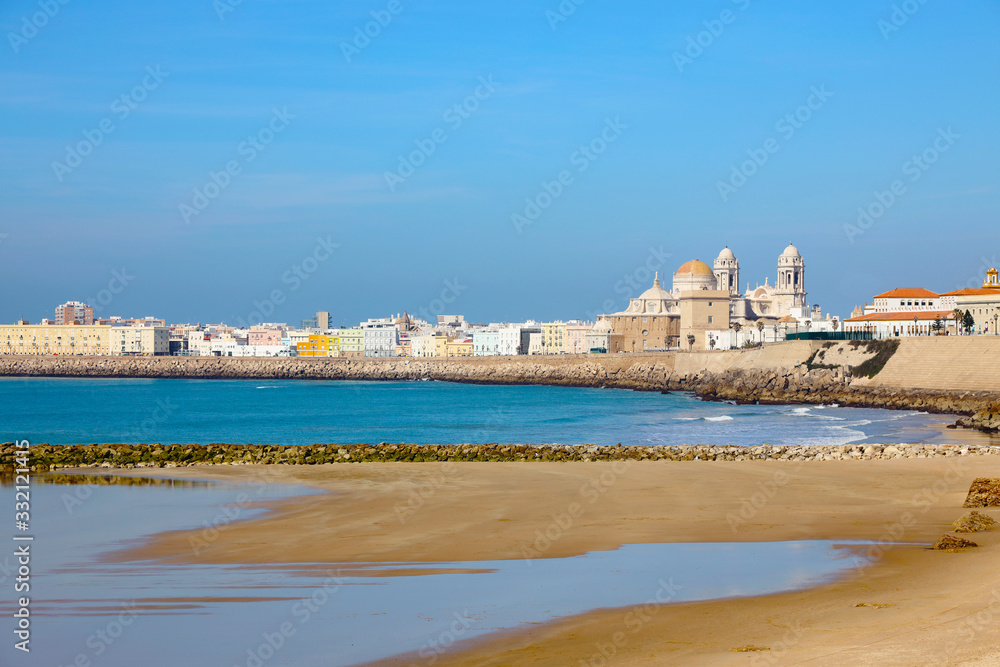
<point>71,411</point>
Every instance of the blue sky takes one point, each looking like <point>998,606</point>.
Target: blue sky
<point>313,221</point>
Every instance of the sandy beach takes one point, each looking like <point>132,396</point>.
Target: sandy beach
<point>931,607</point>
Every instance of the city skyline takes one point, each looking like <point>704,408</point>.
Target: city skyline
<point>537,157</point>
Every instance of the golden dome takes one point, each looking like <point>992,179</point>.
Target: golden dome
<point>696,268</point>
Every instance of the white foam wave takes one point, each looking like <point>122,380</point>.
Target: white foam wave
<point>720,418</point>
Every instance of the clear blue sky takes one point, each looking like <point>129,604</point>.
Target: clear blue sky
<point>681,128</point>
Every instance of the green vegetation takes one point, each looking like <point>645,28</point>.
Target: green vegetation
<point>883,351</point>
<point>813,362</point>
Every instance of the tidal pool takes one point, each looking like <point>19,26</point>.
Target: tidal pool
<point>88,611</point>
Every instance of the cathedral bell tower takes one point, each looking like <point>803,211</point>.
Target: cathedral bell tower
<point>791,282</point>
<point>727,272</point>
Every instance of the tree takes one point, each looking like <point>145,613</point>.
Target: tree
<point>690,341</point>
<point>937,325</point>
<point>968,321</point>
<point>760,328</point>
<point>959,319</point>
<point>711,342</point>
<point>736,326</point>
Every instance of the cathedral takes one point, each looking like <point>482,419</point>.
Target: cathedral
<point>786,297</point>
<point>705,298</point>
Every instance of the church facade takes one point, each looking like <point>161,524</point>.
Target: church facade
<point>707,298</point>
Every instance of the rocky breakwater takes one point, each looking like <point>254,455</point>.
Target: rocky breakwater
<point>53,457</point>
<point>830,386</point>
<point>986,418</point>
<point>626,371</point>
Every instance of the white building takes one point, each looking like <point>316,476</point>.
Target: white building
<point>906,300</point>
<point>486,343</point>
<point>380,338</point>
<point>905,312</point>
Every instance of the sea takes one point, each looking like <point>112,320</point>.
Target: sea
<point>287,412</point>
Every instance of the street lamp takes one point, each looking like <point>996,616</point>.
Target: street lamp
<point>914,325</point>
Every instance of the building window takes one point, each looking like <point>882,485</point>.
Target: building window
<point>709,319</point>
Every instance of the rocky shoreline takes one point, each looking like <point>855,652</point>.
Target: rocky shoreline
<point>45,457</point>
<point>803,383</point>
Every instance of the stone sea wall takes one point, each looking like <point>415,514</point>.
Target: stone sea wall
<point>54,457</point>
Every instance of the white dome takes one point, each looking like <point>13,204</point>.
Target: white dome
<point>655,293</point>
<point>791,251</point>
<point>726,254</point>
<point>602,326</point>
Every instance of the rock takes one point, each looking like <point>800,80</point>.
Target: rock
<point>974,522</point>
<point>984,492</point>
<point>953,542</point>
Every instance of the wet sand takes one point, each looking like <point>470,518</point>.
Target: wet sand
<point>939,608</point>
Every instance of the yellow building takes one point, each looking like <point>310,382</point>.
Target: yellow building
<point>553,337</point>
<point>457,347</point>
<point>319,345</point>
<point>69,339</point>
<point>702,311</point>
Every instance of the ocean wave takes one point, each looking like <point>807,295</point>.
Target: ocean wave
<point>720,418</point>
